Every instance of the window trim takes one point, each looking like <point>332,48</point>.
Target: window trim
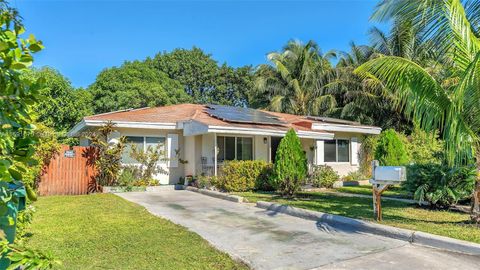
<point>145,147</point>
<point>336,151</point>
<point>234,136</point>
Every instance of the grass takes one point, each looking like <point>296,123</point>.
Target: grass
<point>104,231</point>
<point>393,191</point>
<point>398,214</point>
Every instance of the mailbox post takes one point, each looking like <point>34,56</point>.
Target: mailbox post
<point>382,178</point>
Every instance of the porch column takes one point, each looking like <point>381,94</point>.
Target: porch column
<point>215,154</point>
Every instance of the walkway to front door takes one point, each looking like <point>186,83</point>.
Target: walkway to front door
<point>266,240</point>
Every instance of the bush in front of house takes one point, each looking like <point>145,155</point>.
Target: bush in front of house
<point>207,182</point>
<point>439,184</point>
<point>290,168</point>
<point>323,176</point>
<point>391,149</point>
<point>354,176</point>
<point>244,175</point>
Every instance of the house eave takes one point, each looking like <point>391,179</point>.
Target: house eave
<point>76,130</point>
<point>347,128</point>
<point>267,132</point>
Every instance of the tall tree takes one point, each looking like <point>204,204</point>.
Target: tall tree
<point>203,79</point>
<point>297,81</point>
<point>449,103</point>
<point>363,99</point>
<point>62,106</point>
<point>134,85</point>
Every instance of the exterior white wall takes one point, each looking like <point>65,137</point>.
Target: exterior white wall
<point>84,142</point>
<point>174,173</point>
<point>193,148</point>
<point>342,168</point>
<point>190,157</point>
<point>309,148</point>
<point>208,147</point>
<point>261,149</point>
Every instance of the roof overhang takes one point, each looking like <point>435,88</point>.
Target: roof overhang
<point>85,123</point>
<point>192,128</point>
<point>346,128</point>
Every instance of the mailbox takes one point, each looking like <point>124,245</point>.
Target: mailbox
<point>388,175</point>
<point>382,178</point>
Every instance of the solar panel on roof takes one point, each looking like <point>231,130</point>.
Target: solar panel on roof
<point>242,115</point>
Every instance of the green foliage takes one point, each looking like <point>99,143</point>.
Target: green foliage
<point>207,182</point>
<point>439,184</point>
<point>148,161</point>
<point>244,175</point>
<point>45,149</point>
<point>134,85</point>
<point>17,95</point>
<point>290,168</point>
<point>296,82</point>
<point>22,257</point>
<point>109,157</point>
<point>323,176</point>
<point>62,106</point>
<point>444,95</point>
<point>425,147</point>
<point>390,149</point>
<point>128,177</point>
<point>24,219</point>
<point>354,176</point>
<point>367,154</point>
<point>202,78</point>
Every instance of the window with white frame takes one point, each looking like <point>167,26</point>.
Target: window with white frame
<point>234,148</point>
<point>337,151</point>
<point>141,143</point>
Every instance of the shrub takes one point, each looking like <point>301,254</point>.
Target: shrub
<point>424,147</point>
<point>323,176</point>
<point>128,177</point>
<point>290,168</point>
<point>390,150</point>
<point>148,161</point>
<point>109,157</point>
<point>354,176</point>
<point>244,175</point>
<point>208,182</point>
<point>367,154</point>
<point>439,184</point>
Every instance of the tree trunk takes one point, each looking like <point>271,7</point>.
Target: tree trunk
<point>475,215</point>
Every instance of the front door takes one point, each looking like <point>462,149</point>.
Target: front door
<point>274,142</point>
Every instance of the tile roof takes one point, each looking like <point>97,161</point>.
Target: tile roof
<point>197,112</point>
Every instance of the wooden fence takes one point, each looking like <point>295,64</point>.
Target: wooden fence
<point>70,172</point>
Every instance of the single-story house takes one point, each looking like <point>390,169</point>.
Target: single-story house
<point>198,139</point>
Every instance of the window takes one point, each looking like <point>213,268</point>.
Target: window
<point>141,143</point>
<point>336,151</point>
<point>234,148</point>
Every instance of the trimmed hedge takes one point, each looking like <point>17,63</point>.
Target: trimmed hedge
<point>245,175</point>
<point>290,168</point>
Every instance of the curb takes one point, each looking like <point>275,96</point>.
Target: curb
<point>414,237</point>
<point>216,194</point>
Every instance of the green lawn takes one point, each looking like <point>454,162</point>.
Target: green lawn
<point>107,232</point>
<point>398,214</point>
<point>394,191</point>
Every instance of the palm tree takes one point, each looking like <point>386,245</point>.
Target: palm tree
<point>363,99</point>
<point>296,81</point>
<point>451,102</point>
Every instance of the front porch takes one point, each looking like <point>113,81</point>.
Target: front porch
<point>207,153</point>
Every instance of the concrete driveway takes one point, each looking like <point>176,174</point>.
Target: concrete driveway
<point>267,240</point>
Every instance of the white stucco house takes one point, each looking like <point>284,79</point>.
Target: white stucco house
<point>199,138</point>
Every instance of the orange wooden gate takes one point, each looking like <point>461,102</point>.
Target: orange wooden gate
<point>70,172</point>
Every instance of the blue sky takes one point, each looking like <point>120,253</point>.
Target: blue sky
<point>84,37</point>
